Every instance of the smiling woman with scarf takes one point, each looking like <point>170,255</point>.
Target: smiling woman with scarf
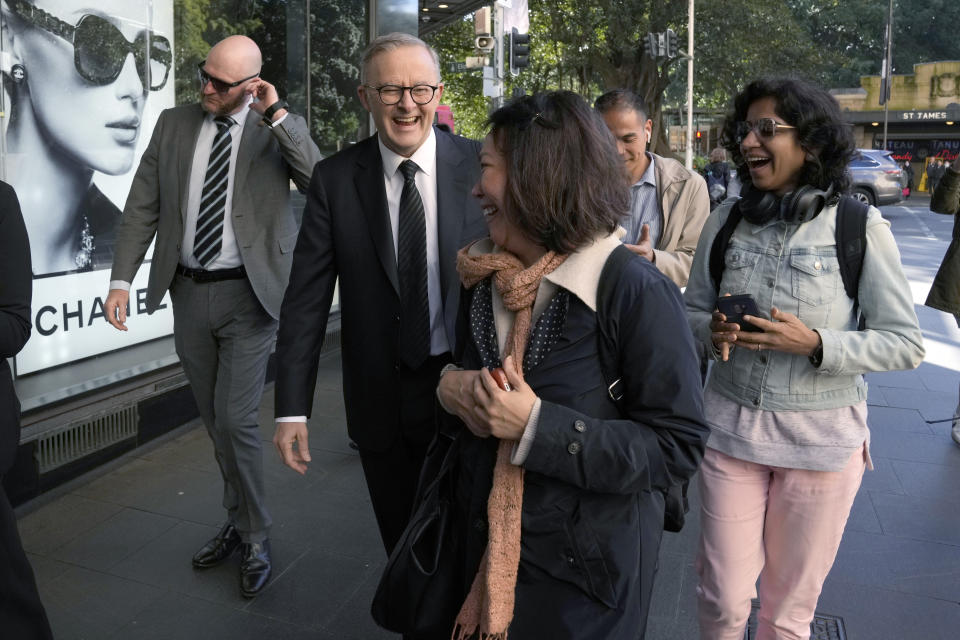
<point>559,488</point>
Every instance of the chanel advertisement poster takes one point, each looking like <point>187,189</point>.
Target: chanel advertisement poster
<point>83,85</point>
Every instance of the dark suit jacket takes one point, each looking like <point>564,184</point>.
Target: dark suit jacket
<point>21,612</point>
<point>263,220</point>
<point>16,288</point>
<point>346,232</point>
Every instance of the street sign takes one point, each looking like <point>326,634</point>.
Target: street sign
<point>456,67</point>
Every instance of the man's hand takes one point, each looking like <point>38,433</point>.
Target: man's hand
<point>644,247</point>
<point>290,440</point>
<point>456,394</point>
<point>265,94</point>
<point>116,308</point>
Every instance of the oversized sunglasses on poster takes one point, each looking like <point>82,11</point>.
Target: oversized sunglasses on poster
<point>100,49</point>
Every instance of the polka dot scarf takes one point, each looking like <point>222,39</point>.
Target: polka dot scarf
<point>488,609</point>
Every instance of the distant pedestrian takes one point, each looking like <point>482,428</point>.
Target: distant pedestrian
<point>945,292</point>
<point>787,403</point>
<point>718,174</point>
<point>934,173</point>
<point>906,177</point>
<point>668,203</point>
<point>21,612</point>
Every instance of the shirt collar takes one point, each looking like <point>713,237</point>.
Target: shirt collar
<point>648,177</point>
<point>425,156</point>
<point>579,273</point>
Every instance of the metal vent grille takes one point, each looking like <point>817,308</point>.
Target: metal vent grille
<point>81,439</point>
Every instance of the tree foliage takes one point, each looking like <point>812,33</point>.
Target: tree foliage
<point>590,46</point>
<point>336,30</point>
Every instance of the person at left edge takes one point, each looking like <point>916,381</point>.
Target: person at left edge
<point>397,315</point>
<point>21,613</point>
<point>213,186</point>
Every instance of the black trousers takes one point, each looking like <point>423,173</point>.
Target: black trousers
<point>392,475</point>
<point>21,613</point>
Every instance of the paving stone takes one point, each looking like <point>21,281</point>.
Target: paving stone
<point>933,481</point>
<point>114,539</point>
<point>46,529</point>
<point>883,420</point>
<point>917,518</point>
<point>314,590</point>
<point>879,614</point>
<point>89,605</point>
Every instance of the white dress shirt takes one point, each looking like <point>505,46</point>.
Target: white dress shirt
<point>229,252</point>
<point>426,158</point>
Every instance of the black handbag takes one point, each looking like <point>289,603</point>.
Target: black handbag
<point>417,591</point>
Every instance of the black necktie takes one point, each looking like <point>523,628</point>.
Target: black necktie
<point>213,200</point>
<point>412,268</point>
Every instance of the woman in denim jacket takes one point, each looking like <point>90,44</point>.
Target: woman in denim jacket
<point>787,404</point>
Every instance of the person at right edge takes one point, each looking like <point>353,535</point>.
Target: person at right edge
<point>945,292</point>
<point>21,613</point>
<point>559,501</point>
<point>787,405</point>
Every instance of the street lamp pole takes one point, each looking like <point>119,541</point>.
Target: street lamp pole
<point>689,159</point>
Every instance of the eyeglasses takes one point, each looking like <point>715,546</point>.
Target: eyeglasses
<point>100,49</point>
<point>765,128</point>
<point>220,86</point>
<point>391,94</point>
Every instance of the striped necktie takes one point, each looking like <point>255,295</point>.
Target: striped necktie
<point>412,267</point>
<point>209,236</point>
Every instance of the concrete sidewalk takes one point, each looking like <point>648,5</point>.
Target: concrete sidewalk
<point>112,550</point>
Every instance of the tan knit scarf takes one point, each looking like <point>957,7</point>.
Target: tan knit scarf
<point>488,609</point>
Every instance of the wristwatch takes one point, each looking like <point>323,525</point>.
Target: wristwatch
<point>272,110</point>
<point>816,358</point>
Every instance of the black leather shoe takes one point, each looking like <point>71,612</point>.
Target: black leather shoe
<point>255,567</point>
<point>218,548</point>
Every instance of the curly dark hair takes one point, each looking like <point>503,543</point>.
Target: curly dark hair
<point>821,129</point>
<point>565,182</point>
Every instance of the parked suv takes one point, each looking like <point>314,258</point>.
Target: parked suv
<point>875,177</point>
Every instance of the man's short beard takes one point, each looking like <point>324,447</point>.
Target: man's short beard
<point>225,109</point>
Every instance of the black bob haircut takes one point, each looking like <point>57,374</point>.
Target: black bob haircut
<point>565,179</point>
<point>820,129</point>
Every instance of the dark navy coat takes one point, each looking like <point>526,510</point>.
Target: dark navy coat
<point>593,504</point>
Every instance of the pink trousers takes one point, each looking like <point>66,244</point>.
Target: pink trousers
<point>783,525</point>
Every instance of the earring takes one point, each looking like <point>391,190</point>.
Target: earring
<point>18,72</point>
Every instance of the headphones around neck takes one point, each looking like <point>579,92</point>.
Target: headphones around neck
<point>799,206</point>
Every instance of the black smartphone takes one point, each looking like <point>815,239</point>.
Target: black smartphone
<point>735,307</point>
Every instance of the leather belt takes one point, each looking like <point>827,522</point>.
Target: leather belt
<point>202,275</point>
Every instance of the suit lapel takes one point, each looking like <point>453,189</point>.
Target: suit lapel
<point>452,199</point>
<point>372,196</point>
<point>186,146</point>
<point>245,154</point>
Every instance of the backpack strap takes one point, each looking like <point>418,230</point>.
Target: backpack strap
<point>718,249</point>
<point>607,325</point>
<point>851,235</point>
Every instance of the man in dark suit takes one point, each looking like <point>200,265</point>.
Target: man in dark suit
<point>21,612</point>
<point>213,186</point>
<point>387,216</point>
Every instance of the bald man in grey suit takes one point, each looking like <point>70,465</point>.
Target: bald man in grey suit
<point>213,187</point>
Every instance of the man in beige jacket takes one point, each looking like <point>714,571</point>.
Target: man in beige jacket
<point>668,203</point>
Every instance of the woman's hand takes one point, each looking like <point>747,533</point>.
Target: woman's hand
<point>785,332</point>
<point>503,414</point>
<point>455,392</point>
<point>723,333</point>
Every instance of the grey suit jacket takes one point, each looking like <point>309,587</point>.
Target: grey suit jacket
<point>263,220</point>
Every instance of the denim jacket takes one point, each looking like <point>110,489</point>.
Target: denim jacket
<point>794,267</point>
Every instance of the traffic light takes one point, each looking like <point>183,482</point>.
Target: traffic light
<point>672,50</point>
<point>699,135</point>
<point>519,51</point>
<point>651,46</point>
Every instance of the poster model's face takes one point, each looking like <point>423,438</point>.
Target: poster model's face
<point>94,123</point>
